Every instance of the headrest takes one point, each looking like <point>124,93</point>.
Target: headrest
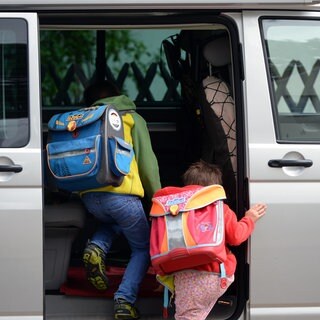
<point>217,52</point>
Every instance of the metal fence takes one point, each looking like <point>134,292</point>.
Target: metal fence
<point>144,79</point>
<point>296,68</point>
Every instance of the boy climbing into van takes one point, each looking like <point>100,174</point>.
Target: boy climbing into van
<point>119,209</point>
<point>197,288</point>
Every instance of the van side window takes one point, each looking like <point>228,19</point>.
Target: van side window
<point>129,58</point>
<point>292,48</point>
<point>14,123</point>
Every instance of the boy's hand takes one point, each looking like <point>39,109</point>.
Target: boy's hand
<point>256,212</point>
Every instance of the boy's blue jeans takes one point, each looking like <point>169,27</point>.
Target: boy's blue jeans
<point>122,213</point>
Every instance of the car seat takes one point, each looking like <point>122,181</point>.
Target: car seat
<point>62,222</point>
<point>219,111</point>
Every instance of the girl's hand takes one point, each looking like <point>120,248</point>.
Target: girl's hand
<point>256,212</point>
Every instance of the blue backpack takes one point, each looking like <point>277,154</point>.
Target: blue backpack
<point>86,148</point>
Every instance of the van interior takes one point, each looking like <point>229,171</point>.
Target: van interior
<point>185,81</point>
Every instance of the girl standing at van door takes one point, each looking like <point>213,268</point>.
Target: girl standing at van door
<point>196,291</point>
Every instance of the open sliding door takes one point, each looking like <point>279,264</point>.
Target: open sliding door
<point>21,276</point>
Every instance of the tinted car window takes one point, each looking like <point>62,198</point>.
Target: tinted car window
<point>292,50</point>
<point>14,123</point>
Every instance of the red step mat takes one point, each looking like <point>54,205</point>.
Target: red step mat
<point>77,284</point>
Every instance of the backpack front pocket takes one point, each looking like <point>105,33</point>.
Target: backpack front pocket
<point>75,158</point>
<point>120,156</point>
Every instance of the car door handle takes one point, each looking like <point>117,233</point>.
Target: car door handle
<point>279,163</point>
<point>11,168</point>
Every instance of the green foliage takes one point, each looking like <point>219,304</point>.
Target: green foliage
<point>120,41</point>
<point>62,49</point>
<point>65,47</point>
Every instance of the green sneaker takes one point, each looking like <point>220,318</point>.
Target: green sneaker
<point>93,258</point>
<point>125,310</point>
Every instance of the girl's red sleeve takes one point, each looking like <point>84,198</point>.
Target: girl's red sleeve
<point>236,231</point>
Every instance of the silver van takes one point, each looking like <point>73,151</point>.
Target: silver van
<point>235,82</point>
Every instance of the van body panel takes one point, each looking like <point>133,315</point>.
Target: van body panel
<point>283,259</point>
<point>31,5</point>
<point>286,313</point>
<point>21,318</point>
<point>21,195</point>
<point>165,2</point>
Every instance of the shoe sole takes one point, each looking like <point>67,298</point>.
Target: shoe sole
<point>94,275</point>
<point>124,317</point>
<point>122,313</point>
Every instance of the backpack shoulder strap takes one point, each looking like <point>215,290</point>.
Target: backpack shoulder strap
<point>126,111</point>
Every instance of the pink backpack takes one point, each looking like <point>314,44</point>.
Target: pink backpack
<point>187,228</point>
